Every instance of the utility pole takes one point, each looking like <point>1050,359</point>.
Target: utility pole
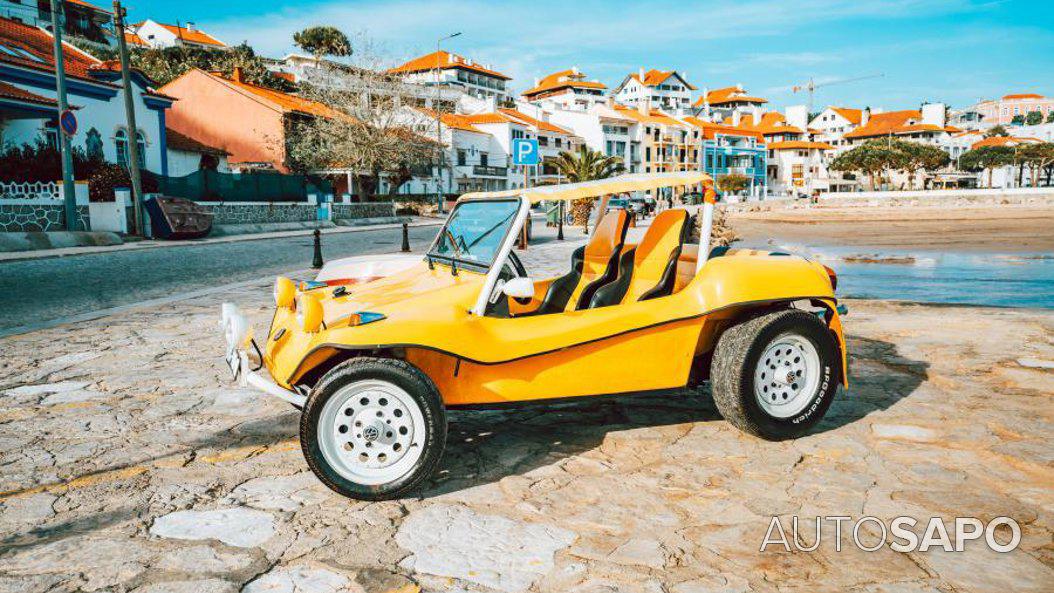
<point>439,130</point>
<point>129,112</point>
<point>58,21</point>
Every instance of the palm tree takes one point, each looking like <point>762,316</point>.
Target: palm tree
<point>586,164</point>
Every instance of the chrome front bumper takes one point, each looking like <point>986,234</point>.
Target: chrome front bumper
<point>239,336</point>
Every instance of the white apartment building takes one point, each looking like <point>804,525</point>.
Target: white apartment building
<point>456,72</point>
<point>567,89</point>
<point>154,34</point>
<point>799,168</point>
<point>603,128</point>
<point>718,104</point>
<point>833,123</point>
<point>668,90</point>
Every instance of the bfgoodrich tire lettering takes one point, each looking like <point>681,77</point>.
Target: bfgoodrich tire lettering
<point>736,361</point>
<point>419,396</point>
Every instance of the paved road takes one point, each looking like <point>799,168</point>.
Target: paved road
<point>34,292</point>
<point>38,291</point>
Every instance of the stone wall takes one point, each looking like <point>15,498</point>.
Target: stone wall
<point>29,217</point>
<point>363,210</point>
<point>257,212</point>
<point>908,199</point>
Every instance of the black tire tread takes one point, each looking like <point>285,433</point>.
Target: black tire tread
<point>728,372</point>
<point>376,365</point>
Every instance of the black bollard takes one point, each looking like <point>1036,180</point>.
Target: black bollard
<point>406,238</point>
<point>560,224</point>
<point>317,261</point>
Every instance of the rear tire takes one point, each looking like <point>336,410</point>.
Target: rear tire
<point>774,376</point>
<point>373,428</point>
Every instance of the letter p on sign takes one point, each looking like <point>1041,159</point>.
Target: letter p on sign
<point>525,151</point>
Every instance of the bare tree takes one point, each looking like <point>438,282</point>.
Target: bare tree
<point>365,129</point>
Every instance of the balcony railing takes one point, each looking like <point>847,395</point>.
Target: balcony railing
<point>488,171</point>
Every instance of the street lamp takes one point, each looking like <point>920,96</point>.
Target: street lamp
<point>439,136</point>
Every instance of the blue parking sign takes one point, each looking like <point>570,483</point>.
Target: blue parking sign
<point>525,151</point>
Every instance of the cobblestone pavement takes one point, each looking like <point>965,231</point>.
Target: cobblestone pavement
<point>130,463</point>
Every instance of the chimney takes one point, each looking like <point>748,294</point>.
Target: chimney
<point>451,59</point>
<point>190,26</point>
<point>644,106</point>
<point>865,116</point>
<point>237,75</point>
<point>536,81</point>
<point>610,100</point>
<point>739,86</point>
<point>574,70</point>
<point>756,114</point>
<point>640,73</point>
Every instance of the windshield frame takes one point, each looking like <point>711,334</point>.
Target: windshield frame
<point>473,265</point>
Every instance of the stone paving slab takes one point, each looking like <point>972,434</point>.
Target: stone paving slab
<point>169,478</point>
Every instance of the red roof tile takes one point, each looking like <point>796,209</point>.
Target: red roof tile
<point>10,91</point>
<point>656,77</point>
<point>711,129</point>
<point>541,125</point>
<point>38,43</point>
<point>1003,141</point>
<point>853,115</point>
<point>1022,96</point>
<point>177,141</point>
<point>565,79</point>
<point>799,145</point>
<point>192,35</point>
<point>444,60</point>
<point>729,94</point>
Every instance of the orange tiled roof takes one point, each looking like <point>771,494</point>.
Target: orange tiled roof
<point>655,77</point>
<point>284,102</point>
<point>853,115</point>
<point>9,91</point>
<point>729,94</point>
<point>444,60</point>
<point>655,116</point>
<point>883,124</point>
<point>453,120</point>
<point>1022,96</point>
<point>772,122</point>
<point>133,39</point>
<point>489,118</point>
<point>38,43</point>
<point>711,129</point>
<point>1003,141</point>
<point>565,79</point>
<point>541,125</point>
<point>798,145</point>
<point>191,35</point>
<point>178,141</point>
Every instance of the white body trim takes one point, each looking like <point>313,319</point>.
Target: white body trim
<point>236,330</point>
<point>704,236</point>
<point>503,255</point>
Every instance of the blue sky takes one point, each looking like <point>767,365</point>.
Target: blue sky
<point>927,50</point>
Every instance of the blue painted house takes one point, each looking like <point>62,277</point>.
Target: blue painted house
<point>29,111</point>
<point>731,149</point>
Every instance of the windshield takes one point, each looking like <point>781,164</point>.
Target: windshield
<point>475,230</point>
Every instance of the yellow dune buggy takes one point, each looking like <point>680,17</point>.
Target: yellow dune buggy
<point>375,357</point>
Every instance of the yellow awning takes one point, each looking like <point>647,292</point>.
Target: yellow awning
<point>601,187</point>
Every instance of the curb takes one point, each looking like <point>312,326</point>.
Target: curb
<point>152,244</point>
<point>35,241</point>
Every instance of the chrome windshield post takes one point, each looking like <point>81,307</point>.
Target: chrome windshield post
<point>503,256</point>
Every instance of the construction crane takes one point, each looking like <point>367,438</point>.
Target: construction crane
<point>812,86</point>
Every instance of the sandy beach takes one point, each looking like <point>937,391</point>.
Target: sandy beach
<point>991,229</point>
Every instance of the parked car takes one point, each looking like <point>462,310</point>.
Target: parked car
<point>374,363</point>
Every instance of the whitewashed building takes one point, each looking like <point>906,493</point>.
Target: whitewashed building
<point>833,123</point>
<point>450,70</point>
<point>154,34</point>
<point>567,89</point>
<point>667,90</point>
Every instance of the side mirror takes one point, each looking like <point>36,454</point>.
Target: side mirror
<point>519,288</point>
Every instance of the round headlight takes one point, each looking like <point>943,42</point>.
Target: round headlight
<point>309,312</point>
<point>284,292</point>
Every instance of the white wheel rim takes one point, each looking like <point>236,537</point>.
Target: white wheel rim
<point>787,376</point>
<point>371,432</point>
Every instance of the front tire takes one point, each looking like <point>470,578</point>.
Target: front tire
<point>373,428</point>
<point>774,376</point>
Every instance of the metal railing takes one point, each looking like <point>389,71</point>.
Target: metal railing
<point>490,171</point>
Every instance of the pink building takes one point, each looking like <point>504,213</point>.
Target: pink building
<point>1002,111</point>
